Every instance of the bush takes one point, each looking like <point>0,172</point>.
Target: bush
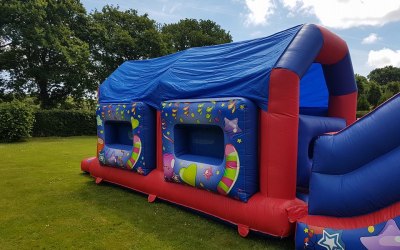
<point>64,123</point>
<point>16,121</point>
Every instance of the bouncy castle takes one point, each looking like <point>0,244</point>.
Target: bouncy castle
<point>261,134</point>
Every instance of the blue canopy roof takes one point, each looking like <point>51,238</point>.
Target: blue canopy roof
<point>240,69</point>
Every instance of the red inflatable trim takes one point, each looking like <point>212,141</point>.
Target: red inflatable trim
<point>333,49</point>
<point>366,220</point>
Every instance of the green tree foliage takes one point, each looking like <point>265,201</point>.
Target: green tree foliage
<point>43,50</point>
<point>362,86</point>
<point>380,85</point>
<point>362,103</point>
<point>362,83</point>
<point>393,87</point>
<point>374,94</point>
<point>116,36</point>
<point>189,33</point>
<point>385,75</point>
<point>389,90</point>
<point>54,51</point>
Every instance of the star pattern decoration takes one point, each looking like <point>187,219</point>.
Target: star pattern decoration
<point>231,126</point>
<point>99,121</point>
<point>330,241</point>
<point>388,238</point>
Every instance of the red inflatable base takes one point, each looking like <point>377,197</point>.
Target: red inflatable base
<point>260,213</point>
<point>354,222</point>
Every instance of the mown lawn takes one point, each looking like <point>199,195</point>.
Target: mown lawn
<point>46,202</point>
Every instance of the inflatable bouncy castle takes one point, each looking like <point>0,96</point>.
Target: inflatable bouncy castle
<point>261,134</point>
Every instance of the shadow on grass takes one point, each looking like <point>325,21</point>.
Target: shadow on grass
<point>163,220</point>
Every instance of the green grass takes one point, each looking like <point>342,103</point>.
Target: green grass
<point>46,202</point>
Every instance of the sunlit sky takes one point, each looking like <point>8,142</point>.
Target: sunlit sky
<point>371,28</point>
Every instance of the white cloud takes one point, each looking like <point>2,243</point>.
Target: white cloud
<point>384,57</point>
<point>344,14</point>
<point>371,38</point>
<point>259,11</point>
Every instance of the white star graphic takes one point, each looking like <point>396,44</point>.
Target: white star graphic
<point>330,241</point>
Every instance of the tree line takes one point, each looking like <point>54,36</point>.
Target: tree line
<point>377,87</point>
<point>55,52</point>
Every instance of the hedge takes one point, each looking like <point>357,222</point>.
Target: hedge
<point>16,121</point>
<point>64,123</point>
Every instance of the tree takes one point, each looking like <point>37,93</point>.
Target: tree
<point>389,90</point>
<point>393,87</point>
<point>362,103</point>
<point>374,94</point>
<point>385,75</point>
<point>43,50</point>
<point>362,86</point>
<point>117,36</point>
<point>362,83</point>
<point>189,33</point>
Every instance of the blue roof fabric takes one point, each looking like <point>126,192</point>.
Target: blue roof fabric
<point>235,69</point>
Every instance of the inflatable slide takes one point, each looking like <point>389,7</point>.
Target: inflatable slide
<point>354,187</point>
<point>261,134</point>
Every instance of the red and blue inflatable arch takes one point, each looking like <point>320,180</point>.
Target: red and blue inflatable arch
<point>312,45</point>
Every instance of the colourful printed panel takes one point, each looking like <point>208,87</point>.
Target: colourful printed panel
<point>385,235</point>
<point>211,144</point>
<point>126,135</point>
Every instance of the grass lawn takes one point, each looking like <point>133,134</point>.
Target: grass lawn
<point>46,202</point>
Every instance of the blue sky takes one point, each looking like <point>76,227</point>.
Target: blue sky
<point>371,28</point>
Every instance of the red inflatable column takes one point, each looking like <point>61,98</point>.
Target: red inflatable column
<point>279,136</point>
